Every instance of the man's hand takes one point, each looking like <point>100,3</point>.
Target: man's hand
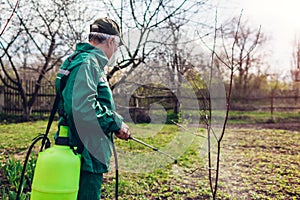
<point>123,132</point>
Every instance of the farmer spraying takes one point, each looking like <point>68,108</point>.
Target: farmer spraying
<point>86,108</point>
<point>73,168</point>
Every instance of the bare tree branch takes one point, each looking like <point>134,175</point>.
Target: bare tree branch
<point>10,17</point>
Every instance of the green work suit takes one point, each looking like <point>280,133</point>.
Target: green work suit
<point>87,107</point>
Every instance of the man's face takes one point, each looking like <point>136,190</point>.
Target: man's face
<point>113,45</point>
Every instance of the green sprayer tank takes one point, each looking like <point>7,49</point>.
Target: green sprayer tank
<point>57,173</point>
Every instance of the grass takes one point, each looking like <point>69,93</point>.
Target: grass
<point>16,138</point>
<point>256,164</point>
<point>252,117</point>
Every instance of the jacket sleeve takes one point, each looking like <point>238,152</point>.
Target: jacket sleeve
<point>92,100</point>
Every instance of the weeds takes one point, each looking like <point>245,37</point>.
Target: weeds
<point>12,170</point>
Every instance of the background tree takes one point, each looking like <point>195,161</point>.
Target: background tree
<point>159,38</point>
<point>296,53</point>
<point>41,34</point>
<point>296,61</point>
<point>144,24</point>
<point>249,62</point>
<point>178,56</point>
<point>295,72</point>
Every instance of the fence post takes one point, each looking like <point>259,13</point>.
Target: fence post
<point>272,103</point>
<point>1,98</point>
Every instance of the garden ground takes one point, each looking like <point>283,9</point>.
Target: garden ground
<point>259,161</point>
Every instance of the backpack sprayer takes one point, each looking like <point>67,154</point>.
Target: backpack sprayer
<point>57,171</point>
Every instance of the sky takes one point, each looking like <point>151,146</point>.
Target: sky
<point>279,20</point>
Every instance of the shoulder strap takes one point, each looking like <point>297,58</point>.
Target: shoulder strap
<point>66,72</point>
<point>57,99</point>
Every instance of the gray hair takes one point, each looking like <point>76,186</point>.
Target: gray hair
<point>101,37</point>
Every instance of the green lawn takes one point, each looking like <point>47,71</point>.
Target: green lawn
<point>252,117</point>
<point>256,164</point>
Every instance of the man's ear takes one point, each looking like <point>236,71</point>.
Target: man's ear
<point>110,41</point>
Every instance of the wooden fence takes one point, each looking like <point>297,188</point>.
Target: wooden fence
<point>11,104</point>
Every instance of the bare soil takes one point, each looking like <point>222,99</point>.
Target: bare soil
<point>262,161</point>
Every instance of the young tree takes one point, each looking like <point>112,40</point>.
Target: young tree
<point>235,56</point>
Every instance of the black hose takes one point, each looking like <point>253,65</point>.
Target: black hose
<point>35,140</point>
<point>117,172</point>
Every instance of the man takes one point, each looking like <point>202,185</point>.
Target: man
<point>87,107</point>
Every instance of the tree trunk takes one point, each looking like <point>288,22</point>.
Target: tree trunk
<point>27,111</point>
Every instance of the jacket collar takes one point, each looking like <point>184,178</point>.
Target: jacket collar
<point>88,48</point>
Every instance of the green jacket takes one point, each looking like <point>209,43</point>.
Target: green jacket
<point>87,107</point>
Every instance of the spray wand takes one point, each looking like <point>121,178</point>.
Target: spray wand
<point>153,148</point>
